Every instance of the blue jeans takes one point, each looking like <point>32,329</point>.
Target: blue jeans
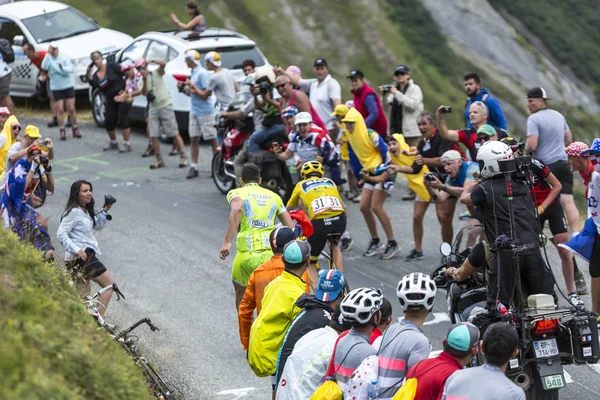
<point>261,136</point>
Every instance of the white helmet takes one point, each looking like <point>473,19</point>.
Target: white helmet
<point>361,304</point>
<point>416,290</point>
<point>488,156</point>
<point>263,71</point>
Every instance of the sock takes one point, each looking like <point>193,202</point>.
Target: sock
<point>113,141</point>
<point>375,240</point>
<point>195,166</point>
<point>570,294</point>
<point>126,142</point>
<point>392,243</point>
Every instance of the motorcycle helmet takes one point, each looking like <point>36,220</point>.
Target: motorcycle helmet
<point>312,167</point>
<point>361,304</point>
<point>488,156</point>
<point>264,71</point>
<point>416,290</point>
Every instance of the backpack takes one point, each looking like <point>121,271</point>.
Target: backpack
<point>7,51</point>
<point>329,390</point>
<point>408,391</point>
<point>357,386</point>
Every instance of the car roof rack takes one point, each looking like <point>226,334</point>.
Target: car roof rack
<point>209,33</point>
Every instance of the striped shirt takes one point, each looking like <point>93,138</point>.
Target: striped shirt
<point>351,350</point>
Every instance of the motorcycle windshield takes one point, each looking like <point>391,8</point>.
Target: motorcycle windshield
<point>463,239</point>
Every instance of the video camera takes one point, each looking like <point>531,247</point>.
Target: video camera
<point>434,174</point>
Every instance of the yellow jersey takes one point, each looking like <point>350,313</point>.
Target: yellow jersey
<point>320,197</point>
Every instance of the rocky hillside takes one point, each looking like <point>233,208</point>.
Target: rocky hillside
<point>506,42</point>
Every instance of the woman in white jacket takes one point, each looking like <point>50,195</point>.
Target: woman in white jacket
<point>76,235</point>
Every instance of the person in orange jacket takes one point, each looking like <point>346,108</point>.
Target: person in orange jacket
<point>259,279</point>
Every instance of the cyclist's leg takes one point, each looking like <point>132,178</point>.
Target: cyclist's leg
<point>317,243</point>
<point>338,227</point>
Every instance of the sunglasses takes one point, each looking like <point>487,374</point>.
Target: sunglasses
<point>280,86</point>
<point>482,139</point>
<point>17,127</point>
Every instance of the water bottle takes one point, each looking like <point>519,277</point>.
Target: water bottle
<point>373,389</point>
<point>501,308</point>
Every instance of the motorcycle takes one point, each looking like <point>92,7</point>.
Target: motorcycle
<point>550,336</point>
<point>231,135</point>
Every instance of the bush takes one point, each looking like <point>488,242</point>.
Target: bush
<point>51,348</point>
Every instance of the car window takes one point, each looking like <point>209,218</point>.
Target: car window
<point>172,54</point>
<point>158,51</point>
<point>135,50</point>
<point>233,57</point>
<point>60,24</point>
<point>9,29</point>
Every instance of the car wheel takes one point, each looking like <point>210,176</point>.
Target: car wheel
<point>99,108</point>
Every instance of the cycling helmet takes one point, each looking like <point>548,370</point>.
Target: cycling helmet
<point>312,167</point>
<point>264,71</point>
<point>289,111</point>
<point>361,304</point>
<point>509,141</point>
<point>488,156</point>
<point>416,290</point>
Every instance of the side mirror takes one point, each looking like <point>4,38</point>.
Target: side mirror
<point>19,40</point>
<point>446,249</point>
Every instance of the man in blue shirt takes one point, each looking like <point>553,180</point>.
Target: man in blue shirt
<point>475,92</point>
<point>202,112</point>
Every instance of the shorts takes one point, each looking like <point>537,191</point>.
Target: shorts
<point>562,171</point>
<point>162,117</point>
<point>5,85</point>
<point>323,227</point>
<point>387,186</point>
<point>202,126</point>
<point>595,259</point>
<point>556,219</point>
<point>117,112</point>
<point>90,268</point>
<point>245,262</point>
<point>63,94</point>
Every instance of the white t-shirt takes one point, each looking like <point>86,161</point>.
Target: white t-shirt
<point>321,97</point>
<point>223,87</point>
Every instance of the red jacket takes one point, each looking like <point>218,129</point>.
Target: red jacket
<point>431,375</point>
<point>381,124</point>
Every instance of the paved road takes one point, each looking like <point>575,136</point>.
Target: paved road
<point>162,246</point>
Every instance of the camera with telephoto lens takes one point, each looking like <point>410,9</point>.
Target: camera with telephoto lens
<point>264,87</point>
<point>150,96</point>
<point>43,160</point>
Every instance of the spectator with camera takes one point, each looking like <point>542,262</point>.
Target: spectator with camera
<point>367,102</point>
<point>202,117</point>
<point>60,70</point>
<point>76,235</point>
<point>478,114</point>
<point>475,92</point>
<point>160,112</point>
<point>20,146</point>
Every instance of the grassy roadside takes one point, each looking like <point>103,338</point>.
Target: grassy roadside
<point>32,108</point>
<point>51,348</point>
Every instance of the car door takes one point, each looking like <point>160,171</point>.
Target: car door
<point>24,74</point>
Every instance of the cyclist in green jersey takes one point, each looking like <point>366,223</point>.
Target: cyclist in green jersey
<point>253,212</point>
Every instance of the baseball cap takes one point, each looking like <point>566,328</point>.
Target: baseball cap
<point>289,111</point>
<point>303,118</point>
<point>54,45</point>
<point>4,111</point>
<point>537,93</point>
<point>356,74</point>
<point>193,56</point>
<point>320,61</point>
<point>32,132</point>
<point>139,62</point>
<point>450,155</point>
<point>125,65</point>
<point>341,110</point>
<point>296,252</point>
<point>463,336</point>
<point>594,148</point>
<point>330,285</point>
<point>487,129</point>
<point>281,236</point>
<point>294,70</point>
<point>401,69</point>
<point>214,58</point>
<point>576,149</point>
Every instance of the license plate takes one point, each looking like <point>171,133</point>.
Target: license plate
<point>553,382</point>
<point>545,348</point>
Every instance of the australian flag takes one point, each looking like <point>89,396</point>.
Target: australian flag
<point>16,214</point>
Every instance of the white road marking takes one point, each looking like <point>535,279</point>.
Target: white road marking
<point>437,318</point>
<point>595,367</point>
<point>238,393</point>
<point>568,378</point>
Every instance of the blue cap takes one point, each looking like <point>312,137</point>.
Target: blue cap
<point>296,252</point>
<point>289,111</point>
<point>330,285</point>
<point>463,336</point>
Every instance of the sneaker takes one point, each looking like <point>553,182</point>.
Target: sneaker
<point>112,146</point>
<point>464,216</point>
<point>126,148</point>
<point>346,243</point>
<point>159,163</point>
<point>76,133</point>
<point>174,152</point>
<point>193,173</point>
<point>374,246</point>
<point>53,123</point>
<point>149,151</point>
<point>183,161</point>
<point>63,134</point>
<point>409,196</point>
<point>390,251</point>
<point>414,255</point>
<point>68,124</point>
<point>576,301</point>
<point>580,284</point>
<point>356,198</point>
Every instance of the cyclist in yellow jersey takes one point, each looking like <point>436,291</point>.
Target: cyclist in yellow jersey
<point>323,205</point>
<point>253,212</point>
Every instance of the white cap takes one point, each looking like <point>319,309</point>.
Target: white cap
<point>214,58</point>
<point>303,118</point>
<point>54,45</point>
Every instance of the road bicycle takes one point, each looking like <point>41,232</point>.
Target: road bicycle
<point>129,342</point>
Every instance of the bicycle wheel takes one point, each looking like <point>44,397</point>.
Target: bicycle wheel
<point>157,384</point>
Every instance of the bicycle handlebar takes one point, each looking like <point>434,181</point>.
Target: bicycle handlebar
<point>142,321</point>
<point>103,290</point>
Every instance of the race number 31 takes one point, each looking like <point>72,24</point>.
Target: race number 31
<point>326,203</point>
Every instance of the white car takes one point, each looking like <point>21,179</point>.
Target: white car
<point>42,22</point>
<point>233,47</point>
